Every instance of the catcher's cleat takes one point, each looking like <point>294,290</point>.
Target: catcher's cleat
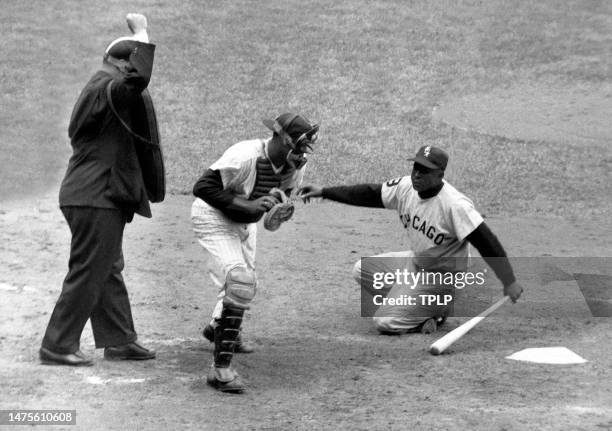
<point>240,347</point>
<point>216,377</point>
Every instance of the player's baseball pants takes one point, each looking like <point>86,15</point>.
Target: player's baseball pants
<point>227,243</point>
<point>398,319</point>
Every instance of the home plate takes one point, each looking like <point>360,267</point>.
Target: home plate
<point>548,355</point>
<point>95,380</point>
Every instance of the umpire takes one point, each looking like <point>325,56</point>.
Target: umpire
<point>115,170</point>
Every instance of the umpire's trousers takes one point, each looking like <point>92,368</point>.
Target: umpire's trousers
<point>93,287</point>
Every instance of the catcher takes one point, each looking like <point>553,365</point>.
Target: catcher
<point>249,182</point>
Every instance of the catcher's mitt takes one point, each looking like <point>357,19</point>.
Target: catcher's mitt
<point>279,213</point>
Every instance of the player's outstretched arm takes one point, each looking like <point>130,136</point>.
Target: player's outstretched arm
<point>494,254</point>
<point>363,195</point>
<point>309,191</point>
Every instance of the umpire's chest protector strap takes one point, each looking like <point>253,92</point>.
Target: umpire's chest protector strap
<point>145,130</point>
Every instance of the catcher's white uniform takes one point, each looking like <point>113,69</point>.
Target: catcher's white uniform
<point>229,243</point>
<point>437,228</point>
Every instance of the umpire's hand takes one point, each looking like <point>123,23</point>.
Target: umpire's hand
<point>137,23</point>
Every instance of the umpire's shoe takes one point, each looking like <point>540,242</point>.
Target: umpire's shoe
<point>225,380</point>
<point>128,352</point>
<point>76,359</point>
<point>241,346</point>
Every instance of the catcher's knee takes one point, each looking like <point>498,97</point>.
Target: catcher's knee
<point>240,287</point>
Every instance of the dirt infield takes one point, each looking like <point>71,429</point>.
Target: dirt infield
<point>318,364</point>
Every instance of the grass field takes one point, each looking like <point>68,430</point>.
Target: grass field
<point>371,73</point>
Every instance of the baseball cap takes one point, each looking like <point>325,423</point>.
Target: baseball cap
<point>301,131</point>
<point>431,157</point>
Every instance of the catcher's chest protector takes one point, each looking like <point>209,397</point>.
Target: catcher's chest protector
<point>266,179</point>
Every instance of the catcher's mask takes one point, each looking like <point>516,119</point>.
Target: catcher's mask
<point>296,132</point>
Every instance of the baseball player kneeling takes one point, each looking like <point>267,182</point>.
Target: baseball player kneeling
<point>249,182</point>
<point>440,223</point>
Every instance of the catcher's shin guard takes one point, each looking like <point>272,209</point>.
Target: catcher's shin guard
<point>226,334</point>
<point>239,292</point>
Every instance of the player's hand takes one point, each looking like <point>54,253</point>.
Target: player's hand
<point>136,22</point>
<point>262,204</point>
<point>513,290</point>
<point>310,191</point>
<point>278,194</point>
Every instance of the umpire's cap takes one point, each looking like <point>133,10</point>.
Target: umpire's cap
<point>431,157</point>
<point>302,133</point>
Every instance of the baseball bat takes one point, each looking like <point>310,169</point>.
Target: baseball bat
<point>444,343</point>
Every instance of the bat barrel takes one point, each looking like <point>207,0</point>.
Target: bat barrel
<point>443,343</point>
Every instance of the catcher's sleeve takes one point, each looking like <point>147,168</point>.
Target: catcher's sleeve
<point>209,188</point>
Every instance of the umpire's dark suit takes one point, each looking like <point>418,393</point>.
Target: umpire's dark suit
<point>102,189</point>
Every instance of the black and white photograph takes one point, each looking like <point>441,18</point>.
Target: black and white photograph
<point>306,215</point>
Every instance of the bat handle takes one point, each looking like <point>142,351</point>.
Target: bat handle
<point>494,307</point>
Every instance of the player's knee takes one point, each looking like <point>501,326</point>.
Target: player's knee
<point>240,287</point>
<point>385,325</point>
<point>356,273</point>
